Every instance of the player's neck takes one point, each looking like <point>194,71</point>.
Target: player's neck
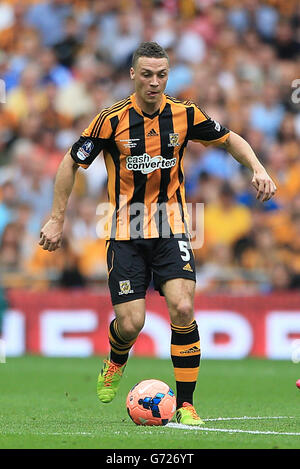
<point>148,108</point>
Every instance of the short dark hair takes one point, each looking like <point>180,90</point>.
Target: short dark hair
<point>149,49</point>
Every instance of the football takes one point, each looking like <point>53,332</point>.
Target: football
<point>151,402</point>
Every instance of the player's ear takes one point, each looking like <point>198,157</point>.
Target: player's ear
<point>132,73</point>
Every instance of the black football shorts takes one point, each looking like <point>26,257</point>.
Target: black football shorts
<point>132,265</point>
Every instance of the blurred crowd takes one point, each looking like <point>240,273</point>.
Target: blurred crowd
<point>63,61</point>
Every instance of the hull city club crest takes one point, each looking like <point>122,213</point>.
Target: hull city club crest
<point>125,287</point>
<point>174,140</point>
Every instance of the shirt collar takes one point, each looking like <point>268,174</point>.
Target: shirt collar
<point>138,109</point>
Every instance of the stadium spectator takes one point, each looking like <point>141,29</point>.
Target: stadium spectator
<point>51,70</point>
<point>29,96</point>
<point>84,224</point>
<point>67,49</point>
<point>128,37</point>
<point>16,27</point>
<point>36,189</point>
<point>225,220</point>
<point>7,205</point>
<point>286,45</point>
<point>24,53</point>
<point>47,152</point>
<point>75,100</point>
<point>281,278</point>
<point>10,250</point>
<point>49,19</point>
<point>253,15</point>
<point>268,114</point>
<point>70,275</point>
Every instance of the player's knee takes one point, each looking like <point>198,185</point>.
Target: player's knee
<point>130,327</point>
<point>183,312</point>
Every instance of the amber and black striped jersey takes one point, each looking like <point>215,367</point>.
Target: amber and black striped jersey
<point>144,161</point>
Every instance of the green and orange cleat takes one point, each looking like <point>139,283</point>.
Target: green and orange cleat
<point>109,381</point>
<point>187,415</point>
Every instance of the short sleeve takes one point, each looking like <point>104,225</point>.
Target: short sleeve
<point>92,141</point>
<point>204,129</point>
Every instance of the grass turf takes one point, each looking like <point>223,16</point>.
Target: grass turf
<point>51,403</point>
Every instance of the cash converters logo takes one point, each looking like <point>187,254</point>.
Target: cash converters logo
<point>146,164</point>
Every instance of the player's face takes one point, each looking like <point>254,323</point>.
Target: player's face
<point>150,77</point>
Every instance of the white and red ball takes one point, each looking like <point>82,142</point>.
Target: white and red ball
<point>151,402</point>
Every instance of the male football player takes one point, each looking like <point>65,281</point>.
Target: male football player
<point>143,140</point>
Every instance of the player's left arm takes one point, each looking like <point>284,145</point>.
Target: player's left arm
<point>209,132</point>
<point>240,149</point>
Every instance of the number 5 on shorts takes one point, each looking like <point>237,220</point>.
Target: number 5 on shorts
<point>183,246</point>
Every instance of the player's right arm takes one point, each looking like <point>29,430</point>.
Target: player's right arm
<point>51,233</point>
<point>82,153</point>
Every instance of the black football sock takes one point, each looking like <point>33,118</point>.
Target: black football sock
<point>119,347</point>
<point>185,355</point>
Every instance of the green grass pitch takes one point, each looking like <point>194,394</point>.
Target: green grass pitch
<point>52,403</point>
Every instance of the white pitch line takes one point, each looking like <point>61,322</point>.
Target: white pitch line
<point>51,434</point>
<point>73,434</point>
<point>229,430</point>
<point>234,430</point>
<point>219,419</point>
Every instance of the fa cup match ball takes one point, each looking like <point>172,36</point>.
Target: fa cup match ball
<point>151,402</point>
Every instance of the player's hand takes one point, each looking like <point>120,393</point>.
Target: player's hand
<point>51,235</point>
<point>264,185</point>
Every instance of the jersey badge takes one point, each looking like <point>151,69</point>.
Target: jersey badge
<point>125,287</point>
<point>174,140</point>
<point>85,151</point>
